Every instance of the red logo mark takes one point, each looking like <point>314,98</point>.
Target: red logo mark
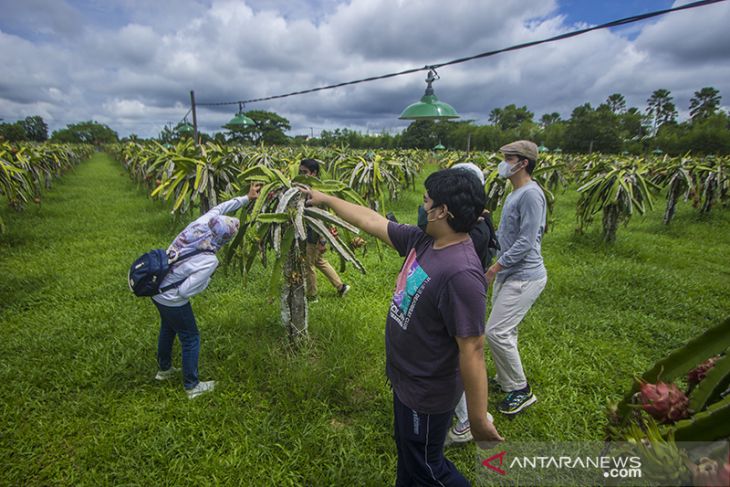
<point>488,462</point>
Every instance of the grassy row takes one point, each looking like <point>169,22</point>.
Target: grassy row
<point>80,405</point>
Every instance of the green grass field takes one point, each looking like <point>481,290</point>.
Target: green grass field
<point>80,405</point>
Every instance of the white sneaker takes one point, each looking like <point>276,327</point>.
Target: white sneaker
<point>343,290</point>
<point>461,432</point>
<point>201,388</point>
<point>166,374</point>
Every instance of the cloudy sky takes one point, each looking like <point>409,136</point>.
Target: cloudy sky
<point>132,63</point>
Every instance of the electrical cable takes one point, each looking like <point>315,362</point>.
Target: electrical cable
<point>567,35</point>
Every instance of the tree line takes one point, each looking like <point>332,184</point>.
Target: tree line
<point>611,127</point>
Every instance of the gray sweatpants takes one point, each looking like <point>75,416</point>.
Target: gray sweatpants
<point>511,300</point>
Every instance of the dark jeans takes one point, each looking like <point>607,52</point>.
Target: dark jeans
<point>420,441</point>
<point>180,321</point>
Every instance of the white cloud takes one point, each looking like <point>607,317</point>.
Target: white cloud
<point>132,63</point>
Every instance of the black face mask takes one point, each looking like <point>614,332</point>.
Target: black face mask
<point>422,218</point>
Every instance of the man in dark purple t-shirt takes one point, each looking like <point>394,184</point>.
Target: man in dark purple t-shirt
<point>434,334</point>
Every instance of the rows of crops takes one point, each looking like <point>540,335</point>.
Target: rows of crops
<point>615,186</point>
<point>191,176</point>
<point>26,170</point>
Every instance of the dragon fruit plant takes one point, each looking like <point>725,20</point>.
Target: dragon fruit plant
<point>710,473</point>
<point>696,375</point>
<point>664,402</point>
<point>702,413</point>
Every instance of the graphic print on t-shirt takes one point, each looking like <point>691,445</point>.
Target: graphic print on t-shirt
<point>408,289</point>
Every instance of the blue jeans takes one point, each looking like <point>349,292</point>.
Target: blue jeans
<point>180,321</point>
<point>420,440</point>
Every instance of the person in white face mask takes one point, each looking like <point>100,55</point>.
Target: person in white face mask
<point>519,275</point>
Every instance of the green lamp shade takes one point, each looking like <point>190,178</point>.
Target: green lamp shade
<point>240,121</point>
<point>429,108</point>
<point>542,148</point>
<point>185,128</point>
<point>439,147</point>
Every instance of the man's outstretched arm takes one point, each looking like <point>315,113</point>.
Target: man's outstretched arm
<point>363,218</point>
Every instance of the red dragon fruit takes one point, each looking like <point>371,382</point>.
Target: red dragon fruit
<point>698,373</point>
<point>709,474</point>
<point>665,402</point>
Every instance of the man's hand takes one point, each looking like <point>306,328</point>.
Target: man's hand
<point>361,216</point>
<point>314,197</point>
<point>253,191</point>
<point>485,434</point>
<point>492,273</point>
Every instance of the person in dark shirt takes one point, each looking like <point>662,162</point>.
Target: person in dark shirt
<point>485,243</point>
<point>434,332</point>
<point>316,247</point>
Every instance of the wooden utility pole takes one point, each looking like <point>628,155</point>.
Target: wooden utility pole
<point>195,117</point>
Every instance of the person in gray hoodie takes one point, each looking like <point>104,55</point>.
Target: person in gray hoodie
<point>207,235</point>
<point>519,275</point>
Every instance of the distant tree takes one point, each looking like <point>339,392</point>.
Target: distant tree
<point>616,103</point>
<point>661,108</point>
<point>553,136</point>
<point>12,132</point>
<point>269,129</point>
<point>549,119</point>
<point>35,128</point>
<point>168,135</point>
<point>90,132</point>
<point>635,129</point>
<point>421,134</point>
<point>131,138</point>
<point>592,130</point>
<point>510,117</point>
<point>704,103</point>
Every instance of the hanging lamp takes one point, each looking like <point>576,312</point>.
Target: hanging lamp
<point>184,128</point>
<point>429,108</point>
<point>240,121</point>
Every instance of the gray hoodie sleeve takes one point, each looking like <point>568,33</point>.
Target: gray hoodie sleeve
<point>531,220</point>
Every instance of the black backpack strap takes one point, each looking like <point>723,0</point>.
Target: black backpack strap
<point>191,254</point>
<point>493,242</point>
<point>170,286</point>
<point>179,259</point>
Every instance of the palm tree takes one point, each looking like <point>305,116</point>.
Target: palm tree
<point>704,103</point>
<point>616,103</point>
<point>549,119</point>
<point>661,108</point>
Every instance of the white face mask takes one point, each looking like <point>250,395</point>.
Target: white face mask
<point>505,169</point>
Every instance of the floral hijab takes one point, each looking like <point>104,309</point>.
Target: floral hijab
<point>206,234</point>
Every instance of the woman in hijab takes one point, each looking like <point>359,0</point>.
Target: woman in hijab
<point>205,236</point>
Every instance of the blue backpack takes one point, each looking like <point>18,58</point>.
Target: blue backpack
<point>147,272</point>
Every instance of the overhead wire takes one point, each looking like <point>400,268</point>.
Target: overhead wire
<point>567,35</point>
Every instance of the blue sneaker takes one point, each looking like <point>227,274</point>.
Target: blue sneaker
<point>516,401</point>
